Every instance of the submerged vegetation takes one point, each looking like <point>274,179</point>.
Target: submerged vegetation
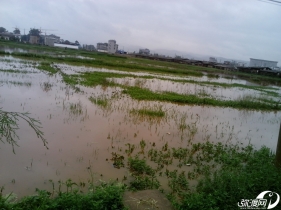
<point>139,93</point>
<point>100,101</point>
<point>156,111</point>
<point>46,66</point>
<point>198,174</point>
<point>225,173</point>
<point>244,103</point>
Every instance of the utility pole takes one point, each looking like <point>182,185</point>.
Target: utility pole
<point>278,150</point>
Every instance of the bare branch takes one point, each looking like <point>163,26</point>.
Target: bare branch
<point>9,125</point>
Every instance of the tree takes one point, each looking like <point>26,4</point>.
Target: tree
<point>25,38</point>
<point>9,125</point>
<point>2,30</point>
<point>17,31</point>
<point>77,43</point>
<point>34,32</point>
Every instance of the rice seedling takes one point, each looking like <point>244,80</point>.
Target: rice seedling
<point>101,101</point>
<point>46,66</point>
<point>46,86</point>
<point>118,160</point>
<point>151,112</point>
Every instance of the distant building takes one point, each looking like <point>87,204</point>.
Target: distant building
<point>56,38</point>
<point>34,39</point>
<point>112,46</point>
<point>262,63</point>
<point>6,35</point>
<point>49,41</point>
<point>212,59</point>
<point>102,46</point>
<point>89,47</point>
<point>144,51</point>
<point>226,62</point>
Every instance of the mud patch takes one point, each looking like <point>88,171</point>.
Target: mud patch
<point>146,199</point>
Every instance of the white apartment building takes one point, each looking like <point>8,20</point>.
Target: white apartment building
<point>112,46</point>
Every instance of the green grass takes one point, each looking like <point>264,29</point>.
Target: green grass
<point>242,176</point>
<point>148,112</point>
<point>46,66</point>
<point>16,71</point>
<point>101,78</point>
<point>226,174</point>
<point>16,83</point>
<point>264,89</point>
<point>143,174</point>
<point>138,93</point>
<point>100,101</point>
<point>104,196</point>
<point>145,94</point>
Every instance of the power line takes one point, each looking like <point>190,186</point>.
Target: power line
<point>279,2</point>
<point>271,2</point>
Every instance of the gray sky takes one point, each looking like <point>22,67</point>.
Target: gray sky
<point>235,29</point>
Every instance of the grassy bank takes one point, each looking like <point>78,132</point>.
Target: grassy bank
<point>104,196</point>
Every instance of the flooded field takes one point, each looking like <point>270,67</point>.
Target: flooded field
<point>85,125</point>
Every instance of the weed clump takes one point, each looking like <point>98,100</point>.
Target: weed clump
<point>46,66</point>
<point>144,176</point>
<point>104,196</point>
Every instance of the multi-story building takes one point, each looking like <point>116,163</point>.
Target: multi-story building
<point>262,63</point>
<point>112,46</point>
<point>144,51</point>
<point>102,46</point>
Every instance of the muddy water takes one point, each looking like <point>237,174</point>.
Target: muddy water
<point>81,134</point>
<point>158,85</point>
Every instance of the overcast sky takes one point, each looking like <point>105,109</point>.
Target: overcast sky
<point>235,29</point>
